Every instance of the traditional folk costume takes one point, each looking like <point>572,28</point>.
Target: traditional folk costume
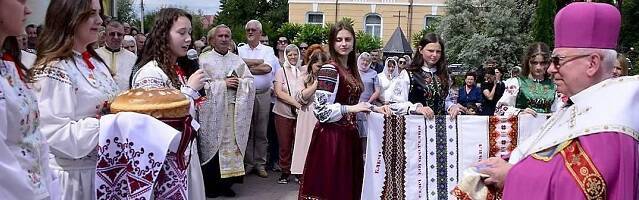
<point>306,122</point>
<point>190,184</point>
<point>334,169</point>
<point>226,119</point>
<point>120,63</point>
<point>394,86</point>
<point>426,89</point>
<point>525,92</point>
<point>71,94</point>
<point>25,161</point>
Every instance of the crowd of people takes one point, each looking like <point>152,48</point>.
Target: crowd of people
<point>300,110</point>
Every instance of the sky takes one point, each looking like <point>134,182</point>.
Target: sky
<point>208,7</point>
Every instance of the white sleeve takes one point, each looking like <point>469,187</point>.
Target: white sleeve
<point>506,104</point>
<point>325,108</point>
<point>57,102</point>
<point>15,184</point>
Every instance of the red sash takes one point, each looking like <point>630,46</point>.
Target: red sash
<point>584,171</point>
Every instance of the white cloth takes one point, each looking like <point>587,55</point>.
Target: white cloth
<point>70,96</point>
<point>124,143</point>
<point>24,165</point>
<point>395,89</point>
<point>265,81</point>
<point>151,76</point>
<point>222,102</point>
<point>593,111</point>
<point>436,151</point>
<point>28,59</point>
<point>120,64</point>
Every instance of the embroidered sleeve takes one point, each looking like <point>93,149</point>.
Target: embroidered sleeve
<point>54,71</point>
<point>68,135</point>
<point>150,76</point>
<point>506,104</point>
<point>326,110</point>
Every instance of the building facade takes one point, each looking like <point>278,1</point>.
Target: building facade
<point>378,17</point>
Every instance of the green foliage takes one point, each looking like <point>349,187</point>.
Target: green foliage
<point>630,26</point>
<point>236,13</point>
<point>125,11</point>
<point>477,30</point>
<point>416,37</point>
<point>367,42</point>
<point>289,30</point>
<point>312,34</point>
<point>198,29</point>
<point>149,20</point>
<point>542,30</point>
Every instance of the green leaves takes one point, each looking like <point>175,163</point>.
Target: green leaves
<point>367,42</point>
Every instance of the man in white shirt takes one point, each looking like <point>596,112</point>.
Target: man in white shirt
<point>119,60</point>
<point>261,61</point>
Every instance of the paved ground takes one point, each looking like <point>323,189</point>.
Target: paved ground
<point>255,187</point>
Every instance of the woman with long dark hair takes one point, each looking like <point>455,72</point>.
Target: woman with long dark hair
<point>430,80</point>
<point>74,87</point>
<point>533,91</point>
<point>163,65</point>
<point>24,164</point>
<point>334,168</point>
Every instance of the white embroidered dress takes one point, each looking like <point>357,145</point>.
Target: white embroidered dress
<point>151,76</point>
<point>24,165</point>
<point>70,96</point>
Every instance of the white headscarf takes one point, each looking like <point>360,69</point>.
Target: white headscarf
<point>395,71</point>
<point>292,47</point>
<point>362,68</point>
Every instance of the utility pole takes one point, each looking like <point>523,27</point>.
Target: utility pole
<point>142,16</point>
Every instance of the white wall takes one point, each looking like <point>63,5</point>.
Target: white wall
<point>38,10</point>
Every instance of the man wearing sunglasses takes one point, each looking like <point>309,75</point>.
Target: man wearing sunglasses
<point>119,60</point>
<point>589,148</point>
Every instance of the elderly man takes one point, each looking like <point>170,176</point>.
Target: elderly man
<point>119,60</point>
<point>261,61</point>
<point>589,148</point>
<point>225,115</point>
<point>32,36</point>
<point>127,28</point>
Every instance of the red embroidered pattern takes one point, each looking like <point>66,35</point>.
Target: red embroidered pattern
<point>122,169</point>
<point>584,171</point>
<point>502,135</point>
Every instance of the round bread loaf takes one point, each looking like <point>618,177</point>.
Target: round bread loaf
<point>158,103</point>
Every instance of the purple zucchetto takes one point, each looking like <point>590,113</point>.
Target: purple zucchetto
<point>587,25</point>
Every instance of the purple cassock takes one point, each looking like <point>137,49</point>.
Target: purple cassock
<point>589,149</point>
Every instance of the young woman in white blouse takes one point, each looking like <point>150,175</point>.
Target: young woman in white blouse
<point>74,87</point>
<point>394,83</point>
<point>24,164</point>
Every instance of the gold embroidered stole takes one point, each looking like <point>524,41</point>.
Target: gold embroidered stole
<point>584,171</point>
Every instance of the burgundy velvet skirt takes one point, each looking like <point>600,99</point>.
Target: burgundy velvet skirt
<point>334,168</point>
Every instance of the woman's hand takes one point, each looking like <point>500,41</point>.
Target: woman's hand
<point>426,111</point>
<point>529,111</point>
<point>197,79</point>
<point>385,109</point>
<point>360,107</point>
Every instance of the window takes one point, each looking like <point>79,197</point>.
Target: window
<point>430,20</point>
<point>373,25</point>
<point>315,18</point>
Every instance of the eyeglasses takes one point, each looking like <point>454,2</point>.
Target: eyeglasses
<point>251,30</point>
<point>282,41</point>
<point>401,62</point>
<point>558,60</point>
<point>116,34</point>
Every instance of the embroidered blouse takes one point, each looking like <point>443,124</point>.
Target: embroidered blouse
<point>330,98</point>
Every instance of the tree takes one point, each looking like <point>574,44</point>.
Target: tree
<point>477,30</point>
<point>543,24</point>
<point>272,14</point>
<point>125,11</point>
<point>367,42</point>
<point>289,30</point>
<point>312,34</point>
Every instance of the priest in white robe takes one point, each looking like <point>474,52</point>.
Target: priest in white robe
<point>119,60</point>
<point>225,115</point>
